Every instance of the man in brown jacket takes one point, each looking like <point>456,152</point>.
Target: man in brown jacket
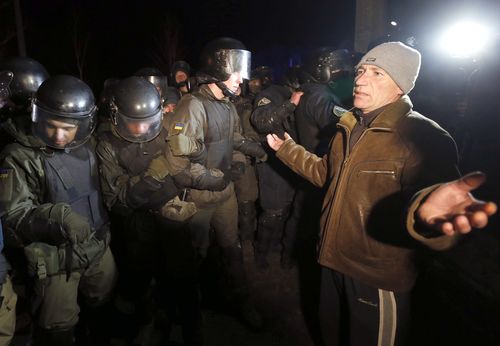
<point>383,153</point>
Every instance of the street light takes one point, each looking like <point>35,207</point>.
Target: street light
<point>465,39</point>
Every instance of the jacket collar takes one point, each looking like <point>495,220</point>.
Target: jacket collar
<point>387,119</point>
<point>205,91</point>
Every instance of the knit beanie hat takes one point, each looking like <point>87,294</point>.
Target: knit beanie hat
<point>401,63</point>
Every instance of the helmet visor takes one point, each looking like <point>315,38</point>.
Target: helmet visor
<point>139,130</point>
<point>62,132</point>
<point>235,60</point>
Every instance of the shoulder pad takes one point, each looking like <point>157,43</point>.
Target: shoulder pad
<point>263,101</point>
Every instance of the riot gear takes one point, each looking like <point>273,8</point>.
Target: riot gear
<point>324,64</point>
<point>222,57</point>
<point>29,74</point>
<point>260,78</point>
<point>154,76</point>
<point>63,113</point>
<point>5,80</point>
<point>293,77</point>
<point>136,110</point>
<point>177,81</point>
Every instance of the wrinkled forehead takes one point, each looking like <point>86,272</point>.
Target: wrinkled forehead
<point>368,67</point>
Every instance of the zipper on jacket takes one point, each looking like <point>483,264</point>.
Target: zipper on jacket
<point>345,162</point>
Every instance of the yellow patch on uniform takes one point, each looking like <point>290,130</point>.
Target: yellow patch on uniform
<point>178,126</point>
<point>4,173</point>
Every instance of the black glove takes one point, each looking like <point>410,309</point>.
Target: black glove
<point>61,226</point>
<point>148,193</point>
<point>236,171</point>
<point>201,178</point>
<point>251,148</point>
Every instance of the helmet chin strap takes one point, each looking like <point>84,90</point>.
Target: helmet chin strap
<point>228,93</point>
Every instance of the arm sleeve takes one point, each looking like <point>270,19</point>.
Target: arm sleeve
<point>135,192</point>
<point>434,160</point>
<point>304,163</point>
<point>24,215</point>
<point>269,113</point>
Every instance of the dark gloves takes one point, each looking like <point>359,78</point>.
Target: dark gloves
<point>236,171</point>
<point>148,193</point>
<point>158,168</point>
<point>200,178</point>
<point>251,148</point>
<point>59,226</point>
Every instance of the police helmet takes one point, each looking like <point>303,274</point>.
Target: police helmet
<point>63,112</point>
<point>325,64</point>
<point>136,110</point>
<point>29,74</point>
<point>222,57</point>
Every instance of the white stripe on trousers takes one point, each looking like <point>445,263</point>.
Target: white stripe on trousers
<point>387,318</point>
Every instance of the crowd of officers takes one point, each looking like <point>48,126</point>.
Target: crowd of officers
<point>109,206</point>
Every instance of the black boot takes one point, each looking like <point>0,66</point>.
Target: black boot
<point>271,223</point>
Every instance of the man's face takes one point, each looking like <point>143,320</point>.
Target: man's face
<point>234,81</point>
<point>254,86</point>
<point>60,133</point>
<point>374,88</point>
<point>169,108</point>
<point>138,128</point>
<point>180,76</point>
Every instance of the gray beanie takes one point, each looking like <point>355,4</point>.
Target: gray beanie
<point>400,62</point>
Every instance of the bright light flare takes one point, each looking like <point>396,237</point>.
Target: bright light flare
<point>465,39</point>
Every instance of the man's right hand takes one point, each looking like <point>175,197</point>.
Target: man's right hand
<point>275,142</point>
<point>295,98</point>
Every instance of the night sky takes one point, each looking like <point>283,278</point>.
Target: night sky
<point>123,36</point>
<point>120,37</point>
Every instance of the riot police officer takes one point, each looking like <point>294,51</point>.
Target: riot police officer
<point>326,94</point>
<point>8,297</point>
<point>140,190</point>
<point>28,75</point>
<point>209,116</point>
<point>52,208</point>
<point>273,113</point>
<point>180,77</point>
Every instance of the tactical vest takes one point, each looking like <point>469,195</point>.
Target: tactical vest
<point>72,177</point>
<point>136,157</point>
<point>219,131</point>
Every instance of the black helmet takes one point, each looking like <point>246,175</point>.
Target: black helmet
<point>325,64</point>
<point>63,112</point>
<point>154,76</point>
<point>222,57</point>
<point>293,77</point>
<point>136,110</point>
<point>29,74</point>
<point>260,78</point>
<point>105,97</point>
<point>5,80</point>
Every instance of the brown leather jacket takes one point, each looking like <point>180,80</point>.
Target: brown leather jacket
<point>363,232</point>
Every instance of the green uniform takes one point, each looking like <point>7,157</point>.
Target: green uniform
<point>32,208</point>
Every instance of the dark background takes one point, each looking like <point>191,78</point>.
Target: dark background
<point>96,39</point>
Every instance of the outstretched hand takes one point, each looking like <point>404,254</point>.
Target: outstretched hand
<point>451,208</point>
<point>275,142</point>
